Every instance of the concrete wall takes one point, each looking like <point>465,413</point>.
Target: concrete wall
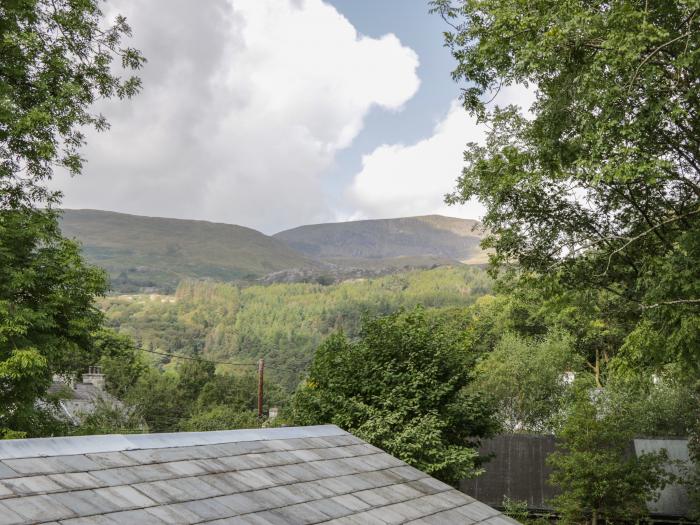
<point>673,499</point>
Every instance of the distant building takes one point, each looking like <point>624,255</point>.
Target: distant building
<point>77,400</point>
<point>282,475</point>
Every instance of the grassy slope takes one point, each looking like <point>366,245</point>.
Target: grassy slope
<point>140,252</point>
<point>410,240</point>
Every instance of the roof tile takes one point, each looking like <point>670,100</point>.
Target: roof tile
<point>9,517</point>
<point>113,459</point>
<point>76,481</point>
<point>29,485</point>
<point>85,502</point>
<point>125,497</point>
<point>40,508</point>
<point>278,476</point>
<point>7,472</point>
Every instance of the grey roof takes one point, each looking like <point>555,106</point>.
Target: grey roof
<point>81,400</point>
<point>317,474</point>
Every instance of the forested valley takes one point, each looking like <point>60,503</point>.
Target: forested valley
<point>282,323</point>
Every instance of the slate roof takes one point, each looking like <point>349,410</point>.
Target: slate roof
<point>315,474</point>
<point>78,400</point>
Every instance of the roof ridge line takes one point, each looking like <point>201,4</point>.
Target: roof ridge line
<point>72,445</point>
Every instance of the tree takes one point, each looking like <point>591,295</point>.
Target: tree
<point>239,392</point>
<point>221,418</point>
<point>158,400</point>
<point>193,375</point>
<point>525,380</point>
<point>47,314</point>
<point>600,189</point>
<point>108,418</point>
<point>599,476</point>
<point>402,387</point>
<point>55,62</point>
<point>692,474</point>
<point>120,361</point>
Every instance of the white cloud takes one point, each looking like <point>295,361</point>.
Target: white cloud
<point>399,180</point>
<point>245,104</point>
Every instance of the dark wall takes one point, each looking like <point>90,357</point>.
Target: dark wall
<point>518,471</point>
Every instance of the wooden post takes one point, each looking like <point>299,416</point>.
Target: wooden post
<point>261,372</point>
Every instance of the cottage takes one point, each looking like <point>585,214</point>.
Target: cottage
<point>78,400</point>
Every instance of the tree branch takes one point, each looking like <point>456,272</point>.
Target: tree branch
<point>650,55</point>
<point>668,303</point>
<point>646,232</point>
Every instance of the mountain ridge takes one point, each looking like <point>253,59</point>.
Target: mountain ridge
<point>143,253</point>
<point>436,236</point>
<point>156,252</point>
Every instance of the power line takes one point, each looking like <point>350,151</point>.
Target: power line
<point>191,358</point>
<point>197,358</point>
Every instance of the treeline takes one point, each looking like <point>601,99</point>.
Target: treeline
<point>282,323</point>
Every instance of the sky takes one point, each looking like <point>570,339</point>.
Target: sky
<point>276,113</point>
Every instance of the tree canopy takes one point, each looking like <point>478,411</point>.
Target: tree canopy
<point>599,187</point>
<point>598,476</point>
<point>402,387</point>
<point>55,62</point>
<point>47,312</point>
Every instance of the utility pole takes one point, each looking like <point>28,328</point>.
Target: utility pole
<point>261,372</point>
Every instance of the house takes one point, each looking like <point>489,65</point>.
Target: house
<point>284,475</point>
<point>77,400</point>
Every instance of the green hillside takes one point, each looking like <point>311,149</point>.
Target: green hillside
<point>390,242</point>
<point>284,323</point>
<point>155,254</point>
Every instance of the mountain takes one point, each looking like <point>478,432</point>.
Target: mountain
<point>155,254</point>
<point>409,241</point>
<point>151,254</point>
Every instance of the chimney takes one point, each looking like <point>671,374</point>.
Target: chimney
<point>94,377</point>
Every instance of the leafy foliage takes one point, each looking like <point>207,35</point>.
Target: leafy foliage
<point>55,61</point>
<point>593,209</point>
<point>402,387</point>
<point>601,187</point>
<point>284,323</point>
<point>119,360</point>
<point>693,476</point>
<point>221,417</point>
<point>47,313</point>
<point>599,476</point>
<point>525,380</point>
<point>108,418</point>
<point>191,396</point>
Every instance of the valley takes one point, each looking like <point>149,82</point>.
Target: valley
<point>283,323</point>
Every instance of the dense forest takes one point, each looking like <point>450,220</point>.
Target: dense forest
<point>282,323</point>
